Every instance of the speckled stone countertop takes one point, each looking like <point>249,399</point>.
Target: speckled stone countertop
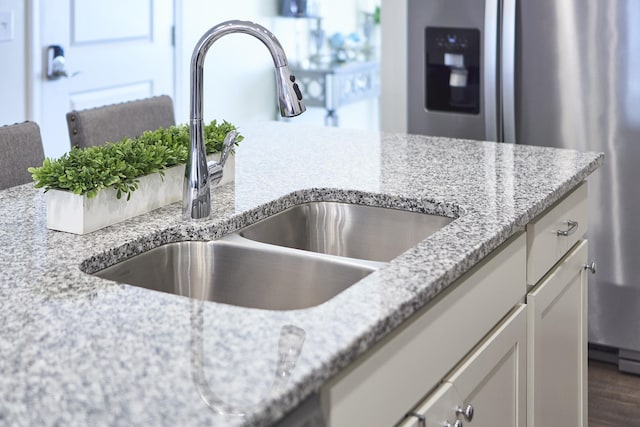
<point>79,350</point>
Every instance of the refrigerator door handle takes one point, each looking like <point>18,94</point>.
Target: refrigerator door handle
<point>508,69</point>
<point>490,71</point>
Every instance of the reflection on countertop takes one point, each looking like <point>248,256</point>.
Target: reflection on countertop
<point>289,348</point>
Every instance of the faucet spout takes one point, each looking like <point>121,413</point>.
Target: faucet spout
<point>196,200</point>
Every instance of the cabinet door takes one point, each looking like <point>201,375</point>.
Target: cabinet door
<point>491,379</point>
<point>557,339</point>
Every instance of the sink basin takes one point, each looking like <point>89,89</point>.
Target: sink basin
<point>348,230</point>
<point>298,258</point>
<point>227,271</point>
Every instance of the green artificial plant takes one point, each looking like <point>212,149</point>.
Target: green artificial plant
<point>120,164</point>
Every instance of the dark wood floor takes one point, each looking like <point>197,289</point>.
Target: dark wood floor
<point>614,397</point>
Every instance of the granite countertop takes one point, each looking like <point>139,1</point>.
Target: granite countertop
<point>79,350</point>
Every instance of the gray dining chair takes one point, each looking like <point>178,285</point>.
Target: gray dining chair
<point>20,148</point>
<point>112,123</point>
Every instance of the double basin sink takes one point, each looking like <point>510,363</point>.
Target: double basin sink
<point>295,259</point>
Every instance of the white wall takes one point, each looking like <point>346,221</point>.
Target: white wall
<point>239,83</point>
<point>13,71</point>
<point>239,80</point>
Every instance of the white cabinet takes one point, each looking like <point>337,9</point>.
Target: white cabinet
<point>557,338</point>
<point>382,386</point>
<point>557,315</point>
<point>490,382</point>
<point>477,343</point>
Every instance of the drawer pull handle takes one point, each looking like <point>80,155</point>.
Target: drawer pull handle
<point>573,226</point>
<point>466,412</point>
<point>458,423</point>
<point>422,422</point>
<point>591,267</point>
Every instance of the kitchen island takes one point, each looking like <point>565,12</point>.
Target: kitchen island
<point>79,350</point>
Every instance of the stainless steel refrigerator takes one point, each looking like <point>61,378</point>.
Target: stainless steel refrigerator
<point>562,73</point>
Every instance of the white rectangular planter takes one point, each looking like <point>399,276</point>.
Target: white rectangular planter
<point>80,215</point>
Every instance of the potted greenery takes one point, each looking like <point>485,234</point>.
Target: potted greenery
<point>88,189</point>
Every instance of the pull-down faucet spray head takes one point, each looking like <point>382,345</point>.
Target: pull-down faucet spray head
<point>196,200</point>
<point>289,95</point>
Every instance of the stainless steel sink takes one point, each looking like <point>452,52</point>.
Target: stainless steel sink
<point>295,259</point>
<point>229,271</point>
<point>347,230</point>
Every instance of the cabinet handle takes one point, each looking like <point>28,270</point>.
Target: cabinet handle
<point>466,412</point>
<point>573,226</point>
<point>422,422</point>
<point>591,267</point>
<point>458,423</point>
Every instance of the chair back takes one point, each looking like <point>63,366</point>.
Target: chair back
<point>20,149</point>
<point>112,123</point>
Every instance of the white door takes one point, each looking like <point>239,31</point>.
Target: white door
<point>120,49</point>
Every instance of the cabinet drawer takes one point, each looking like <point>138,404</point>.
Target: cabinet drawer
<point>554,232</point>
<point>396,373</point>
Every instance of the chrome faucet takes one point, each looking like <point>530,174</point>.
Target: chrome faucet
<point>196,199</point>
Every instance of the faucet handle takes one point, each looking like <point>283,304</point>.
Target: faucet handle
<point>216,168</point>
<point>227,145</point>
